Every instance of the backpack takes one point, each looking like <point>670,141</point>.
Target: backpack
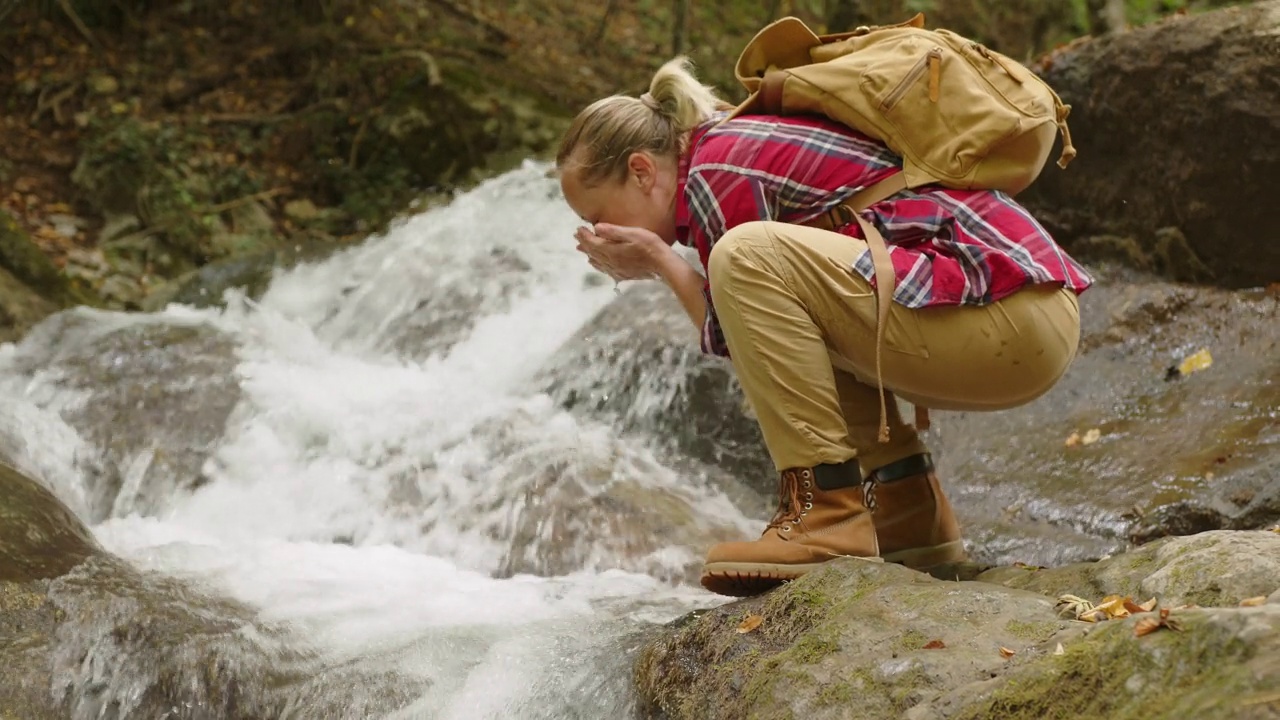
<point>960,115</point>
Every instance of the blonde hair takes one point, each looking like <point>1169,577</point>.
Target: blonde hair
<point>609,130</point>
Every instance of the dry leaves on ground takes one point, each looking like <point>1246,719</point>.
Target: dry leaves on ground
<point>749,623</point>
<point>934,645</point>
<point>1148,625</point>
<point>1006,653</point>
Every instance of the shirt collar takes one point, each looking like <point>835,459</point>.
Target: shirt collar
<point>682,178</point>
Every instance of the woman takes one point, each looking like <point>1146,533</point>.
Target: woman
<point>984,313</point>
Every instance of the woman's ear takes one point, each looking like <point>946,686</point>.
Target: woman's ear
<point>642,169</point>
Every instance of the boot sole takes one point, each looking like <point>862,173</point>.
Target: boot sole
<point>745,579</point>
<point>928,557</point>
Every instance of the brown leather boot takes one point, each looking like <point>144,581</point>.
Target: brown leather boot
<point>820,517</point>
<point>914,522</point>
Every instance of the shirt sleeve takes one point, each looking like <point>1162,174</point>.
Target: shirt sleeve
<point>721,198</point>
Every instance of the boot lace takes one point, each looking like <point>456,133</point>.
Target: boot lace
<point>795,499</point>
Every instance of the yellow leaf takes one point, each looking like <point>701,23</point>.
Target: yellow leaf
<point>1196,362</point>
<point>1095,615</point>
<point>751,622</point>
<point>1073,439</point>
<point>1006,653</point>
<point>1149,605</point>
<point>1253,601</point>
<point>1091,436</point>
<point>1059,650</point>
<point>1113,606</point>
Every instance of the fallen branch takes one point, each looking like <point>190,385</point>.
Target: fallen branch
<point>355,142</point>
<point>70,12</point>
<point>54,103</point>
<point>459,11</point>
<point>268,118</point>
<point>231,204</point>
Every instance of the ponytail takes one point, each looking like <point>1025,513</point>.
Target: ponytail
<point>609,130</point>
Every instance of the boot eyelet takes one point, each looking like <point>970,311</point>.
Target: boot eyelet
<point>807,484</point>
<point>786,528</point>
<point>808,496</point>
<point>804,473</point>
<point>808,506</point>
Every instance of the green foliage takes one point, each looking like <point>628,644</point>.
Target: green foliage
<point>171,176</point>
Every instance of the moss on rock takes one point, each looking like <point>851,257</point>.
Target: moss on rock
<point>1206,671</point>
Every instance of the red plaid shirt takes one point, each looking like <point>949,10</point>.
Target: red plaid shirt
<point>949,247</point>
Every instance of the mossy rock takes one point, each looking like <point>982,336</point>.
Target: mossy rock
<point>29,264</point>
<point>83,634</point>
<point>1212,569</point>
<point>849,640</point>
<point>1221,665</point>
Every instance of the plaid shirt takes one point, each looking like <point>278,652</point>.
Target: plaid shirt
<point>949,247</point>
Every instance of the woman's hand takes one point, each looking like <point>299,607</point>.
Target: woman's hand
<point>622,253</point>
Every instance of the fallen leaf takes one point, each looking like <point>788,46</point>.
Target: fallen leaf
<point>1091,436</point>
<point>1073,439</point>
<point>934,645</point>
<point>1195,362</point>
<point>1059,650</point>
<point>1094,615</point>
<point>1114,606</point>
<point>1146,626</point>
<point>1006,653</point>
<point>1253,601</point>
<point>1149,605</point>
<point>1133,607</point>
<point>751,622</point>
<point>1024,566</point>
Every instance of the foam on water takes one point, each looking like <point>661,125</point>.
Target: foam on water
<point>361,495</point>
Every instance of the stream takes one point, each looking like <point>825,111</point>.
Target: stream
<point>366,488</point>
<point>397,457</point>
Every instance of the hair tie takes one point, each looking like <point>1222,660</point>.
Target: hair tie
<point>650,103</point>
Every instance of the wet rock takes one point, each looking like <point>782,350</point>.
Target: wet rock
<point>549,506</point>
<point>858,639</point>
<point>1176,124</point>
<point>1206,442</point>
<point>40,537</point>
<point>83,635</point>
<point>1213,569</point>
<point>638,365</point>
<point>174,382</point>
<point>250,273</point>
<point>446,314</point>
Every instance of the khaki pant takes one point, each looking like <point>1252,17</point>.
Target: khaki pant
<point>801,330</point>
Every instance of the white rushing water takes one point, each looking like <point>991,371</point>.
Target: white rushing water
<point>368,491</point>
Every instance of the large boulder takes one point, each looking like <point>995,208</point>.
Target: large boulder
<point>860,639</point>
<point>1179,166</point>
<point>174,380</point>
<point>637,365</point>
<point>84,635</point>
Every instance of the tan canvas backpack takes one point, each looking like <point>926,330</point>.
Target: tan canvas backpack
<point>959,114</point>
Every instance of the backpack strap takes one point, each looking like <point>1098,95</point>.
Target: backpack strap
<point>851,211</point>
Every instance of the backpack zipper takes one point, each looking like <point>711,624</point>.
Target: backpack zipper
<point>934,57</point>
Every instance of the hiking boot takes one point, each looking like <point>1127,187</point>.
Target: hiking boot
<point>820,517</point>
<point>914,522</point>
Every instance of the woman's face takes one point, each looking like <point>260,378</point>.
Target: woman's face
<point>644,198</point>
